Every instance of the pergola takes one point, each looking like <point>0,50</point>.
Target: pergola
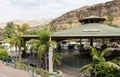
<point>92,27</point>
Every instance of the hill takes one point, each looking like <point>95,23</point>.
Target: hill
<point>37,23</point>
<point>70,19</point>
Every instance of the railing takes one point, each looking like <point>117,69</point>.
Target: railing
<point>22,65</point>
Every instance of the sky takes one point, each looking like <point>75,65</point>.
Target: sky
<point>35,9</point>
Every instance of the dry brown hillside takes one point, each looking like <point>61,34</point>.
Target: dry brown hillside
<point>70,19</point>
<point>37,23</point>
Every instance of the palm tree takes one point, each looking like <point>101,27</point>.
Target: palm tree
<point>98,59</point>
<point>22,28</point>
<point>43,44</point>
<point>57,59</point>
<point>17,41</point>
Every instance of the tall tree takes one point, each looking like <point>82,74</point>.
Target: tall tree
<point>22,28</point>
<point>110,18</point>
<point>16,40</point>
<point>9,29</point>
<point>2,35</point>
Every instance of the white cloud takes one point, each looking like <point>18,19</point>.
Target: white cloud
<point>33,9</point>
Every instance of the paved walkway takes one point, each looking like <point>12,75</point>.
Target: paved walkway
<point>69,71</point>
<point>7,71</point>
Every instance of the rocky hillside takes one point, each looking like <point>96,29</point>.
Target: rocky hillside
<point>70,19</point>
<point>37,23</point>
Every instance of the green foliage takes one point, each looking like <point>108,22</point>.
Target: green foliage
<point>2,34</point>
<point>49,28</point>
<point>88,66</point>
<point>41,50</point>
<point>100,67</point>
<point>42,72</point>
<point>110,18</point>
<point>22,28</point>
<point>16,39</point>
<point>57,58</point>
<point>42,44</point>
<point>39,71</point>
<point>34,32</point>
<point>9,29</point>
<point>1,47</point>
<point>3,53</point>
<point>116,61</point>
<point>94,52</point>
<point>104,70</point>
<point>96,56</point>
<point>104,52</point>
<point>43,36</point>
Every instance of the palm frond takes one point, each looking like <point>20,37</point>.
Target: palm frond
<point>41,50</point>
<point>57,58</point>
<point>113,65</point>
<point>104,52</point>
<point>86,67</point>
<point>94,51</point>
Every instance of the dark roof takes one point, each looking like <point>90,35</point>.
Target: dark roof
<point>28,37</point>
<point>93,19</point>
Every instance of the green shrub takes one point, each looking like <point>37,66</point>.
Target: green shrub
<point>39,71</point>
<point>42,72</point>
<point>1,46</point>
<point>3,54</point>
<point>103,70</point>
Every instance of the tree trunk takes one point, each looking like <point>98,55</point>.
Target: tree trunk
<point>16,51</point>
<point>19,52</point>
<point>46,61</point>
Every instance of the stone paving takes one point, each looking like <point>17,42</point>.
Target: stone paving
<point>7,71</point>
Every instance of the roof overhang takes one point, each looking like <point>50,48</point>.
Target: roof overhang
<point>28,37</point>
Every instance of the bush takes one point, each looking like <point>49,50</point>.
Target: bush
<point>1,46</point>
<point>3,54</point>
<point>39,71</point>
<point>42,72</point>
<point>103,70</point>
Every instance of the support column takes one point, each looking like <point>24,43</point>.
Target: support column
<point>91,42</point>
<point>50,58</point>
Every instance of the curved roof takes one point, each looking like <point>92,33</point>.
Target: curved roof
<point>90,30</point>
<point>93,19</point>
